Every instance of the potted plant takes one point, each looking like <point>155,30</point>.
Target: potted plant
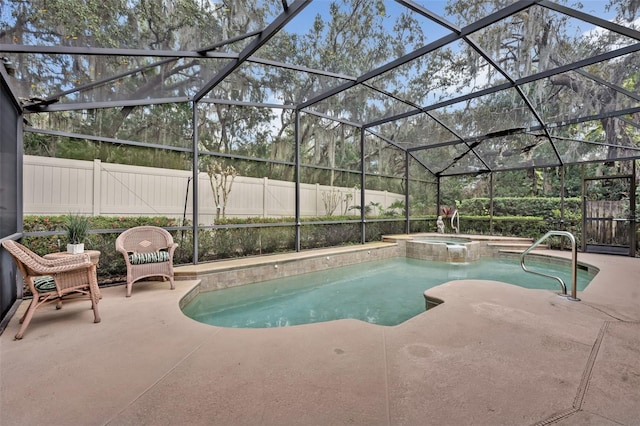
<point>77,227</point>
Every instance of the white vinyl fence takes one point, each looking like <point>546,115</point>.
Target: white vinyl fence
<point>61,186</point>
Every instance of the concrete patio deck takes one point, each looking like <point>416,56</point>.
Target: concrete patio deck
<point>492,354</point>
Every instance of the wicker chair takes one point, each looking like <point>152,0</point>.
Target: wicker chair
<point>50,280</point>
<point>148,252</point>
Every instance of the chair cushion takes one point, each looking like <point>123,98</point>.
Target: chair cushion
<point>44,283</point>
<point>153,257</point>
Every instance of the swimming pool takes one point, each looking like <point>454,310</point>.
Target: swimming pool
<point>386,292</point>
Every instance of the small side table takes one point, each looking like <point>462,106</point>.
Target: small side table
<point>94,255</point>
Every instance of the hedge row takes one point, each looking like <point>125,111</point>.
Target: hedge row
<point>547,208</point>
<point>225,243</point>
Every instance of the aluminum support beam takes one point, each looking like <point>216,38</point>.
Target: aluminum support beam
<point>266,35</point>
<point>195,166</point>
<point>363,224</point>
<point>297,180</point>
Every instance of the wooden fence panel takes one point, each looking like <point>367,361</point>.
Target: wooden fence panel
<point>606,232</point>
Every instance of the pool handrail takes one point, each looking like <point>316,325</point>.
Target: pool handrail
<point>455,215</point>
<point>574,263</point>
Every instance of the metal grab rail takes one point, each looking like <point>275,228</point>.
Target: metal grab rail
<point>574,263</point>
<point>455,215</point>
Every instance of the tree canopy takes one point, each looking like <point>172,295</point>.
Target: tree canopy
<point>463,86</point>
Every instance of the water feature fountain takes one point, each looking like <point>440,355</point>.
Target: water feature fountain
<point>456,253</point>
<point>443,249</point>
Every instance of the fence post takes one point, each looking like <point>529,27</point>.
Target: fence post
<point>265,189</point>
<point>318,198</point>
<point>97,185</point>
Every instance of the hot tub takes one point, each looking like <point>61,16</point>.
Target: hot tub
<point>443,249</point>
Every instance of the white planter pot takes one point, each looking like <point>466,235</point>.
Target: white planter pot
<point>75,248</point>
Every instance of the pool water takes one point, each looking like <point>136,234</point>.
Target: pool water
<point>386,292</point>
<point>448,241</point>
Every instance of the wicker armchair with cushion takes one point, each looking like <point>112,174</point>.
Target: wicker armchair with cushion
<point>50,280</point>
<point>148,252</point>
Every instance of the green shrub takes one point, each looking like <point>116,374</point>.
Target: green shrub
<point>506,226</point>
<point>423,224</point>
<point>375,230</point>
<point>223,246</point>
<point>277,239</point>
<point>522,206</point>
<point>329,235</point>
<point>224,243</point>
